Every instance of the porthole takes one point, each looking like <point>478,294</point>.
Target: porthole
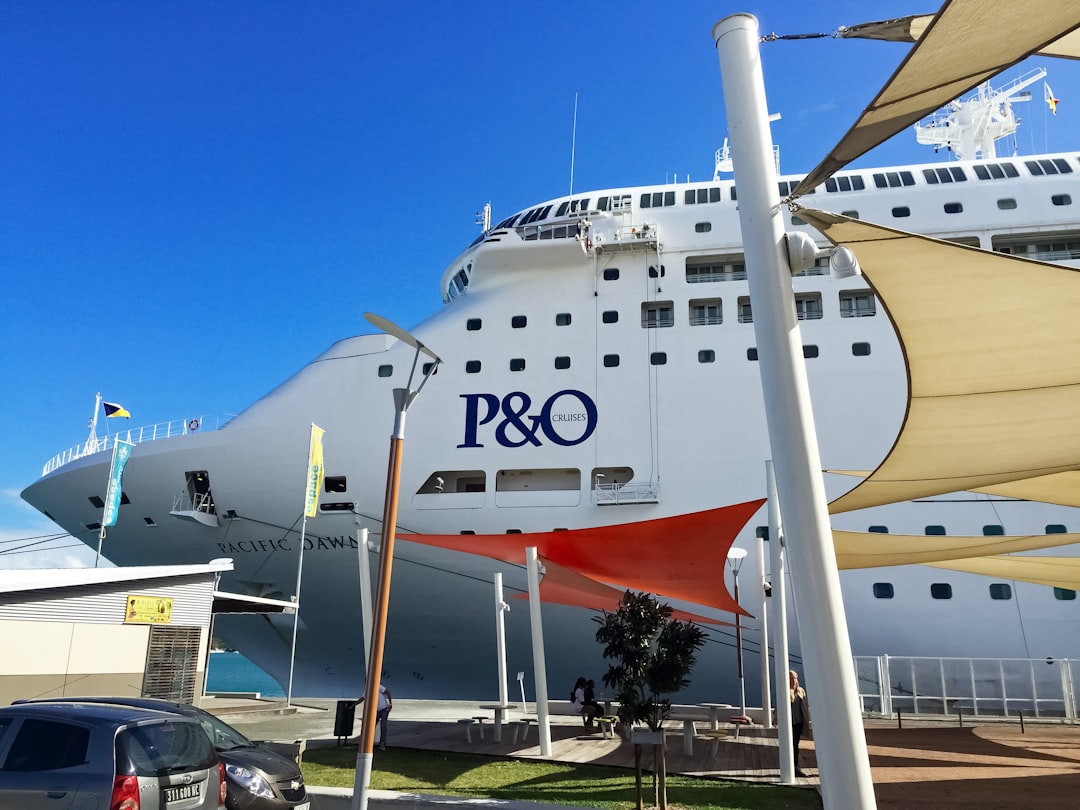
<point>611,360</point>
<point>883,590</point>
<point>954,208</point>
<point>473,325</point>
<point>658,358</point>
<point>938,531</point>
<point>611,274</point>
<point>517,364</point>
<point>611,316</point>
<point>751,353</point>
<point>472,367</point>
<point>562,362</point>
<point>562,319</point>
<point>386,371</point>
<point>1006,204</point>
<point>941,590</point>
<point>1061,199</point>
<point>1000,590</point>
<point>810,352</point>
<point>901,211</point>
<point>702,227</point>
<point>860,349</point>
<point>706,356</point>
<point>518,322</point>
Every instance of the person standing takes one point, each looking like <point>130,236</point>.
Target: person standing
<point>800,714</point>
<point>382,713</point>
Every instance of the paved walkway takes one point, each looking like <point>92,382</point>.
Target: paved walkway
<point>923,766</point>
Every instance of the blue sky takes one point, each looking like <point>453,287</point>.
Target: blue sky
<point>197,198</point>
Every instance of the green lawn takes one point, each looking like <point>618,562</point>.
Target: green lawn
<point>475,776</point>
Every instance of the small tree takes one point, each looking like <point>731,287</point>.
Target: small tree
<point>653,656</point>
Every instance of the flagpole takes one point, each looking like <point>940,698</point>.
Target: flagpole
<point>312,482</point>
<point>91,440</point>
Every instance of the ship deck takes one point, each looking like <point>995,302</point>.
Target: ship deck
<point>925,765</point>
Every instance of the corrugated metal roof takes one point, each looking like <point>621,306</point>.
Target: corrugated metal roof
<point>31,579</point>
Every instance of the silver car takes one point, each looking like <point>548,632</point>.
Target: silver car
<point>79,756</point>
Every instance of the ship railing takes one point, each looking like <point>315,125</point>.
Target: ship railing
<point>162,430</point>
<point>200,502</point>
<point>1037,688</point>
<point>616,494</point>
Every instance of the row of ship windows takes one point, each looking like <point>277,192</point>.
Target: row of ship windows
<point>562,362</point>
<point>943,590</point>
<point>899,179</point>
<point>710,311</point>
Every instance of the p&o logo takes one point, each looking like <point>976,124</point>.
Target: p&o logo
<point>568,417</point>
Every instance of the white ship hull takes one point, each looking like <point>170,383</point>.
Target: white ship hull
<point>679,415</point>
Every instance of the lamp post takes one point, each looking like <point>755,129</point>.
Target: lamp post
<point>403,398</point>
<point>735,557</point>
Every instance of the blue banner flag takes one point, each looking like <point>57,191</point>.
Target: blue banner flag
<point>121,453</point>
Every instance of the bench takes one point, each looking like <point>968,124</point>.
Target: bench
<point>607,725</point>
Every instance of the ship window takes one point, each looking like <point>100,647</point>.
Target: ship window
<point>611,360</point>
<point>611,274</point>
<point>1055,528</point>
<point>706,356</point>
<point>657,199</point>
<point>820,267</point>
<point>426,369</point>
<point>518,322</point>
<point>694,196</point>
<point>993,531</point>
<point>1061,199</point>
<point>894,179</point>
<point>1044,247</point>
<point>861,349</point>
<point>734,194</point>
<point>386,371</point>
<point>1000,590</point>
<point>149,521</point>
<point>995,171</point>
<point>610,316</point>
<point>797,220</point>
<point>92,526</point>
<point>702,227</point>
<point>901,211</point>
<point>1048,166</point>
<point>808,306</point>
<point>467,531</point>
<point>878,529</point>
<point>657,273</point>
<point>745,313</point>
<point>602,204</point>
<point>954,208</point>
<point>657,314</point>
<point>810,352</point>
<point>517,363</point>
<point>935,530</point>
<point>706,312</point>
<point>335,483</point>
<point>472,367</point>
<point>852,183</point>
<point>852,214</point>
<point>562,319</point>
<point>562,362</point>
<point>621,202</point>
<point>718,269</point>
<point>473,325</point>
<point>96,502</point>
<point>658,358</point>
<point>1006,204</point>
<point>941,590</point>
<point>883,590</point>
<point>751,353</point>
<point>857,304</point>
<point>948,174</point>
<point>336,506</point>
<point>1064,594</point>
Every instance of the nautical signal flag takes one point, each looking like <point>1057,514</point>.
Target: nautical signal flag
<point>112,409</point>
<point>315,472</point>
<point>1051,99</point>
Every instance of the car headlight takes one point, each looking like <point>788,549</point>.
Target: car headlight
<point>250,781</point>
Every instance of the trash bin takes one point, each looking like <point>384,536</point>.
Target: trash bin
<point>343,720</point>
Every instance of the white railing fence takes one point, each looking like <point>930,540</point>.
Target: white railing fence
<point>975,687</point>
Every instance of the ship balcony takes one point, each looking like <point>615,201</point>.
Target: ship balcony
<point>199,509</point>
<point>621,494</point>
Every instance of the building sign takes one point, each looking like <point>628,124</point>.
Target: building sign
<point>566,418</point>
<point>148,609</point>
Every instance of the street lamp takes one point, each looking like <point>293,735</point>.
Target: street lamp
<point>403,398</point>
<point>735,557</point>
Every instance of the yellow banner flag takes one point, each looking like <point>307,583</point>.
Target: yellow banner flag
<point>315,471</point>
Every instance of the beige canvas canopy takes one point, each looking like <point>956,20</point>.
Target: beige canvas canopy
<point>966,43</point>
<point>1055,572</point>
<point>988,406</point>
<point>870,550</point>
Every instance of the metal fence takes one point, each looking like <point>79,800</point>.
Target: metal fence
<point>979,687</point>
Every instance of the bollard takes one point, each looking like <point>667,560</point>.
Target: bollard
<point>1021,713</point>
<point>960,716</point>
<point>899,720</point>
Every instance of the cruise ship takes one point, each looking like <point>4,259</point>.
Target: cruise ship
<point>599,370</point>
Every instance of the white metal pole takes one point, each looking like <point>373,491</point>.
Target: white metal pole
<point>780,635</point>
<point>840,740</point>
<point>296,609</point>
<point>536,626</point>
<point>500,637</point>
<point>365,590</point>
<point>763,612</point>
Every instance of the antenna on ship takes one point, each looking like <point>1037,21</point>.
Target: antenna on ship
<point>573,146</point>
<point>970,128</point>
<point>483,217</point>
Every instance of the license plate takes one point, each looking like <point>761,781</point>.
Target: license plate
<point>180,792</point>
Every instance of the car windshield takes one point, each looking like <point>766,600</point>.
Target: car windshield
<point>223,736</point>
